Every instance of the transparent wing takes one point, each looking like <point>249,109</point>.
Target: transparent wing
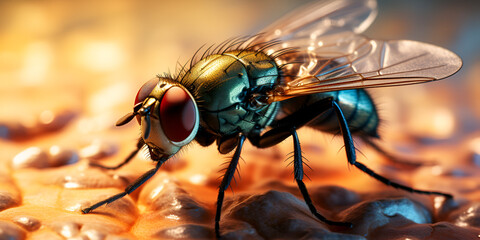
<point>348,61</point>
<point>322,18</point>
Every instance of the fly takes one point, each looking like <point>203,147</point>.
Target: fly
<point>309,69</point>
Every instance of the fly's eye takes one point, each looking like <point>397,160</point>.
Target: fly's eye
<point>177,114</point>
<point>145,90</point>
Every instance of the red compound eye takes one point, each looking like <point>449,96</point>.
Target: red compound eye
<point>145,90</point>
<point>177,114</point>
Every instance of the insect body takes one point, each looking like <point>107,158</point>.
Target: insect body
<point>356,105</point>
<point>226,87</point>
<point>309,69</point>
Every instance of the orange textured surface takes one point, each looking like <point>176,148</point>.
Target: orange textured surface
<point>72,69</point>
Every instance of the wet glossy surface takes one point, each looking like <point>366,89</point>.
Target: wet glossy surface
<point>265,203</point>
<point>62,120</point>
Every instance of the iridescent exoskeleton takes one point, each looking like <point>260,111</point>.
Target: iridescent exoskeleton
<point>308,69</point>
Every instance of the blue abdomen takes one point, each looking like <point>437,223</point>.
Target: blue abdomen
<point>356,104</point>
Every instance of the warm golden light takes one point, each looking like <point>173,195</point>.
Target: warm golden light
<point>37,62</point>
<point>101,56</point>
<point>443,122</point>
<point>46,117</point>
<point>70,70</point>
<point>435,122</point>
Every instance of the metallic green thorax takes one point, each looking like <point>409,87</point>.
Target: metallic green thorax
<point>225,85</point>
<point>227,88</point>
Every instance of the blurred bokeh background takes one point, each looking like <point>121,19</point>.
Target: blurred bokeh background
<point>90,57</point>
<point>85,60</point>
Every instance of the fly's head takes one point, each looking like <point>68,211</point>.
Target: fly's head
<point>168,116</point>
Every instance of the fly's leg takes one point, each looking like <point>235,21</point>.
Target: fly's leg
<point>281,129</point>
<point>140,144</point>
<point>285,128</point>
<point>414,163</point>
<point>350,151</point>
<point>298,173</point>
<point>129,189</point>
<point>227,178</point>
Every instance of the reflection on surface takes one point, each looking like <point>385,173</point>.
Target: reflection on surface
<point>70,70</point>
